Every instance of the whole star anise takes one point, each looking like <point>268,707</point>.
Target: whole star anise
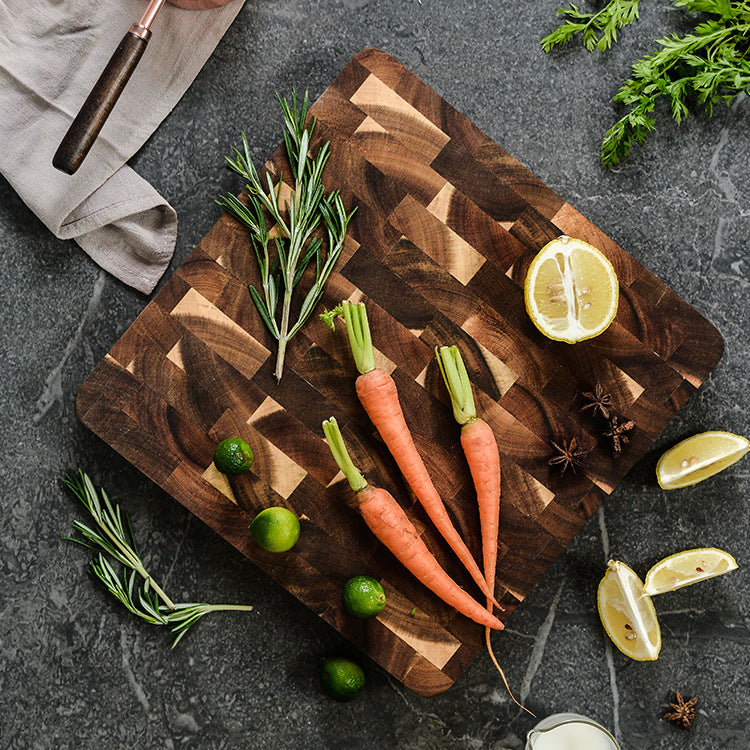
<point>598,400</point>
<point>568,455</point>
<point>683,712</point>
<point>617,433</point>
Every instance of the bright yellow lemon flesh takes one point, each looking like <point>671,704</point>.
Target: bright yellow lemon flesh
<point>699,457</point>
<point>571,290</point>
<point>685,568</point>
<point>628,614</point>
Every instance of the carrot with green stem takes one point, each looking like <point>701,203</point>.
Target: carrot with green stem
<point>483,458</point>
<point>481,452</point>
<point>378,395</point>
<point>390,524</point>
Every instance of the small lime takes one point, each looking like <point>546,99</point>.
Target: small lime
<point>233,456</point>
<point>342,678</point>
<point>363,597</point>
<point>275,529</point>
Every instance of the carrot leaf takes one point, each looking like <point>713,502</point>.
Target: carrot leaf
<point>341,455</point>
<point>456,379</point>
<point>329,316</point>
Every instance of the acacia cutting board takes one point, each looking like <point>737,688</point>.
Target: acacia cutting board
<point>446,226</point>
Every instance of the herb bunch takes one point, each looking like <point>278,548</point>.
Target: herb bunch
<point>111,536</point>
<point>697,70</point>
<point>598,30</point>
<point>286,248</point>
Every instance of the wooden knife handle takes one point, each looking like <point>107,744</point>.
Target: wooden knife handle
<point>85,128</point>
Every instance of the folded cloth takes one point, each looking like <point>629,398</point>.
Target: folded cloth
<point>51,54</point>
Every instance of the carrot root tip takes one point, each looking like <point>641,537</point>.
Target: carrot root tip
<point>488,641</point>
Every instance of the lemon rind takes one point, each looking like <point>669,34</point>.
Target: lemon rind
<point>678,482</point>
<point>528,286</point>
<point>653,591</point>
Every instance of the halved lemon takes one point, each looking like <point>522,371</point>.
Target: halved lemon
<point>699,457</point>
<point>687,567</point>
<point>628,614</point>
<point>571,290</point>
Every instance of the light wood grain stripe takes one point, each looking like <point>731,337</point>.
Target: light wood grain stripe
<point>437,240</point>
<point>399,118</point>
<point>232,343</point>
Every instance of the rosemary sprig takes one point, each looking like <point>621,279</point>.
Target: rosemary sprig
<point>112,536</point>
<point>702,68</point>
<point>283,262</point>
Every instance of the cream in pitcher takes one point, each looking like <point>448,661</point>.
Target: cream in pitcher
<point>569,732</point>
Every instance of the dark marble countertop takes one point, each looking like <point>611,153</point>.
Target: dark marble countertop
<point>78,671</point>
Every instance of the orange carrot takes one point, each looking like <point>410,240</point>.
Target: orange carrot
<point>483,458</point>
<point>387,520</point>
<point>378,395</point>
<point>481,452</point>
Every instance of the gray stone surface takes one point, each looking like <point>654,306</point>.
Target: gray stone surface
<point>77,671</point>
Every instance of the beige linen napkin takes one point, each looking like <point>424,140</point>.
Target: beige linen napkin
<point>51,53</point>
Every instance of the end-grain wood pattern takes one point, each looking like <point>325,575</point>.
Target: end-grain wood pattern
<point>446,227</point>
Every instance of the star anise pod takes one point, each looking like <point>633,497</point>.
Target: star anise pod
<point>568,455</point>
<point>598,400</point>
<point>617,433</point>
<point>683,712</point>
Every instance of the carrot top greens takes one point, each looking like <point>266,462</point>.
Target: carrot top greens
<point>691,72</point>
<point>341,455</point>
<point>358,330</point>
<point>453,370</point>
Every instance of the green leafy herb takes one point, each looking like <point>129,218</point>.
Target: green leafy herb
<point>112,537</point>
<point>598,30</point>
<point>702,68</point>
<point>286,249</point>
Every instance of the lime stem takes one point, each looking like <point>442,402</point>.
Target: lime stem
<point>341,455</point>
<point>456,379</point>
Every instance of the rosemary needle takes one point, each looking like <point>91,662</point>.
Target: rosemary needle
<point>111,536</point>
<point>295,245</point>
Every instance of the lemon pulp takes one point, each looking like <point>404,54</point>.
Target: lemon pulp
<point>687,567</point>
<point>699,457</point>
<point>628,614</point>
<point>571,290</point>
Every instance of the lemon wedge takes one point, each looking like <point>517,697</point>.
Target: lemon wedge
<point>699,457</point>
<point>687,567</point>
<point>628,614</point>
<point>571,290</point>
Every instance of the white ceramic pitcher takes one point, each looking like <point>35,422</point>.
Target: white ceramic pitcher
<point>569,732</point>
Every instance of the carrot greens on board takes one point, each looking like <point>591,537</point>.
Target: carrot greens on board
<point>292,243</point>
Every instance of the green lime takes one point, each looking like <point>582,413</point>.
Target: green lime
<point>363,597</point>
<point>275,529</point>
<point>342,678</point>
<point>233,456</point>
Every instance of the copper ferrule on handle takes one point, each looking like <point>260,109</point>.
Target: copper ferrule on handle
<point>142,32</point>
